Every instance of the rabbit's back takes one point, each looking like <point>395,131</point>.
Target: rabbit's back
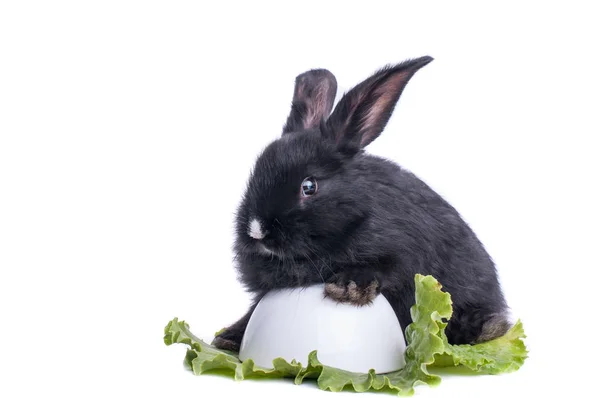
<point>412,229</point>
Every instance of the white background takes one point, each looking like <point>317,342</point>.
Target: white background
<point>127,131</point>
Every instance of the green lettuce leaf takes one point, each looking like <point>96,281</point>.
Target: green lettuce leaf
<point>504,354</point>
<point>427,345</point>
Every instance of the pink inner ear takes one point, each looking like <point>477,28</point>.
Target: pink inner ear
<point>387,95</point>
<point>318,107</point>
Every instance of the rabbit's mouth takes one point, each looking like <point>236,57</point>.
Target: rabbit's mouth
<point>265,250</point>
<point>271,252</point>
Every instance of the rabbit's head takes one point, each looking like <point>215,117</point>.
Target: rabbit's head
<point>310,189</point>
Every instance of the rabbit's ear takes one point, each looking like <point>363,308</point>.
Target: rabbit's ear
<point>363,112</point>
<point>314,95</point>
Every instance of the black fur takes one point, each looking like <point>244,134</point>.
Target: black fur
<point>370,219</point>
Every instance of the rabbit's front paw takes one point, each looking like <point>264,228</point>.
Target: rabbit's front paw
<point>354,290</point>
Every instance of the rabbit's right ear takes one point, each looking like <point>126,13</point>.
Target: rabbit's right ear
<point>363,112</point>
<point>314,95</point>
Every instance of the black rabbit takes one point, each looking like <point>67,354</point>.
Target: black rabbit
<point>317,209</point>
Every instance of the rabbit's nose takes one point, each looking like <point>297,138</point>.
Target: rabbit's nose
<point>255,230</point>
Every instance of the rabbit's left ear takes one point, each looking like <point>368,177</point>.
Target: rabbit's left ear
<point>363,112</point>
<point>314,95</point>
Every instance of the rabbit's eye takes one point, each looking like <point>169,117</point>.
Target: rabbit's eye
<point>309,186</point>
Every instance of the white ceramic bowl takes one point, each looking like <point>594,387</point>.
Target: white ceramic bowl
<point>290,323</point>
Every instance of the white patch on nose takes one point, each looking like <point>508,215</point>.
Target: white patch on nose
<point>254,230</point>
